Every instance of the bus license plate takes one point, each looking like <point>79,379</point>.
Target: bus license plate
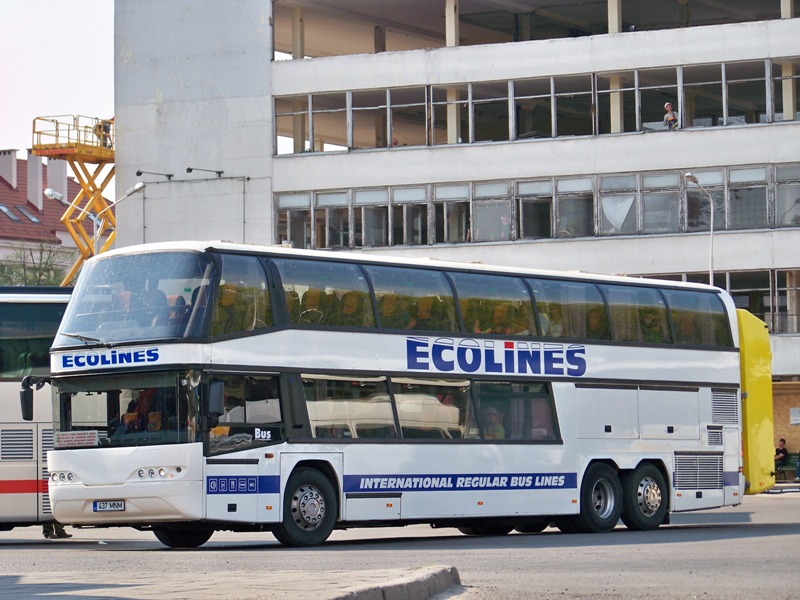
<point>108,505</point>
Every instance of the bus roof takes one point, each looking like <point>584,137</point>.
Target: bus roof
<point>393,260</point>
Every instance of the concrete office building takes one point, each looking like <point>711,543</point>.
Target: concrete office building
<point>518,132</point>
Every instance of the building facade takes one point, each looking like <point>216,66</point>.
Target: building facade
<point>32,236</point>
<point>522,133</point>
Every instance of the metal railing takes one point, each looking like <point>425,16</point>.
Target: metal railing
<point>73,130</point>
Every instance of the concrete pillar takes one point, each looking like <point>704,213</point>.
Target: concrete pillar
<point>792,301</point>
<point>617,116</point>
<point>451,25</point>
<point>380,39</point>
<point>298,53</point>
<point>614,16</point>
<point>788,85</point>
<point>684,14</point>
<point>789,91</point>
<point>614,10</point>
<point>451,17</point>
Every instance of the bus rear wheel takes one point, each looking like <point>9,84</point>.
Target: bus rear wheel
<point>309,509</point>
<point>182,536</point>
<point>644,498</point>
<point>601,500</point>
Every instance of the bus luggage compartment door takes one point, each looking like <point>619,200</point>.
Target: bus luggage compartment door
<point>232,489</point>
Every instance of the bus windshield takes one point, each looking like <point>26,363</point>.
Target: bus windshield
<point>153,295</point>
<point>127,410</point>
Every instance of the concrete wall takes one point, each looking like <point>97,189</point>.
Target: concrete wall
<point>192,85</point>
<point>542,58</point>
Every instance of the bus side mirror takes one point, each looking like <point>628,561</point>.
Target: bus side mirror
<point>216,399</point>
<point>26,400</point>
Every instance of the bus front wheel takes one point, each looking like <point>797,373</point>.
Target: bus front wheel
<point>309,509</point>
<point>178,536</point>
<point>645,498</point>
<point>601,500</point>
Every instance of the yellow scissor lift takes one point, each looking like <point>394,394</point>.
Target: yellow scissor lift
<point>87,144</point>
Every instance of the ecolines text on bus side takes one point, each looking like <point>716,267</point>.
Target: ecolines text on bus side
<point>447,355</point>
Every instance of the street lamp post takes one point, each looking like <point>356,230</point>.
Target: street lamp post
<point>691,178</point>
<point>138,187</point>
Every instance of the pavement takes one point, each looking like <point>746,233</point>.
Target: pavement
<point>385,584</point>
<point>421,583</point>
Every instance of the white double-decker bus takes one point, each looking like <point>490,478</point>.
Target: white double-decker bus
<point>29,318</point>
<point>215,386</point>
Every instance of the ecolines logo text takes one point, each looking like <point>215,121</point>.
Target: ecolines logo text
<point>110,357</point>
<point>446,355</point>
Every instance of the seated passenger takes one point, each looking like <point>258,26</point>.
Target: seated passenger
<point>597,324</point>
<point>152,308</point>
<point>472,311</point>
<point>686,330</point>
<point>424,317</point>
<point>178,307</point>
<point>353,312</point>
<point>555,321</point>
<point>393,312</point>
<point>651,325</point>
<point>492,427</point>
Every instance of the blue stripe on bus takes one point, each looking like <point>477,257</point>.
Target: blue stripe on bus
<point>459,482</point>
<point>243,484</point>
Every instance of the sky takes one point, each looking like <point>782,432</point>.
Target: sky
<point>56,58</point>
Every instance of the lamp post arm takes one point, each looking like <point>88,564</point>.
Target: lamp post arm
<point>139,187</point>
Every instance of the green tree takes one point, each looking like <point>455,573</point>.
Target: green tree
<point>44,264</point>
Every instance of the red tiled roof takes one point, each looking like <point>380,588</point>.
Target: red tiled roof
<point>49,217</point>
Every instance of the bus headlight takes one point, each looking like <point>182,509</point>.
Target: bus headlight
<point>63,477</point>
<point>158,473</point>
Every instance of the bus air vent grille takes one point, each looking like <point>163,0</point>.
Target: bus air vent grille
<point>16,444</point>
<point>725,407</point>
<point>715,437</point>
<point>47,444</point>
<point>698,472</point>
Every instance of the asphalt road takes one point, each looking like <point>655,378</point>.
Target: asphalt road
<point>746,552</point>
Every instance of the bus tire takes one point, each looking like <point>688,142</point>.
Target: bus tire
<point>601,500</point>
<point>486,529</point>
<point>193,536</point>
<point>534,525</point>
<point>310,508</point>
<point>644,498</point>
<point>566,524</point>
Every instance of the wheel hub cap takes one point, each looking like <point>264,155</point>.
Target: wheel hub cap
<point>649,496</point>
<point>308,507</point>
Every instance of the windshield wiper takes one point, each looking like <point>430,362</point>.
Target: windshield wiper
<point>86,339</point>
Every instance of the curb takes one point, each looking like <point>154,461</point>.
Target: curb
<point>417,584</point>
